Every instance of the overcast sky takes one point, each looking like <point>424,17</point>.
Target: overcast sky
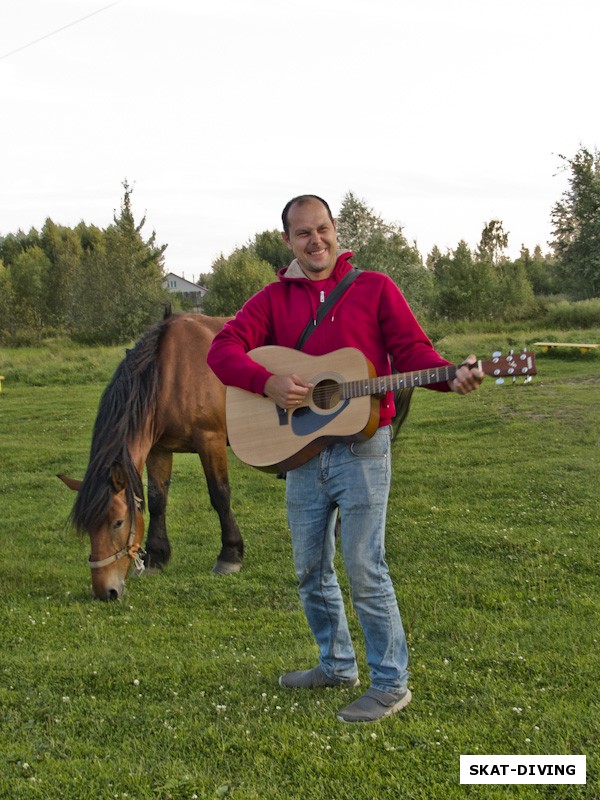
<point>440,114</point>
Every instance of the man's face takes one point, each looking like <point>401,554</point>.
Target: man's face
<point>312,239</point>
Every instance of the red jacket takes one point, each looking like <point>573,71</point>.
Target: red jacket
<point>371,315</point>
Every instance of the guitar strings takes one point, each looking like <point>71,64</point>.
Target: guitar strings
<point>323,393</point>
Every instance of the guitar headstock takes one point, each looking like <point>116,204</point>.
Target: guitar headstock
<point>512,365</point>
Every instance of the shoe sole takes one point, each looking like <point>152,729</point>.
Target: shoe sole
<point>345,684</point>
<point>402,703</point>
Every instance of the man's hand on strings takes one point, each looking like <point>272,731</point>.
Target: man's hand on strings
<point>287,391</point>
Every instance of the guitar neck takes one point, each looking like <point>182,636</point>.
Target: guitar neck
<point>403,380</point>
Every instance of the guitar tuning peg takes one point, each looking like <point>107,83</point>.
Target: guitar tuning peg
<point>499,381</point>
<point>497,354</point>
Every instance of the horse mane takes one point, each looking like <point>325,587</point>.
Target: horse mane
<point>122,412</point>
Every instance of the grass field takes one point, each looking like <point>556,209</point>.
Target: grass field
<point>172,693</point>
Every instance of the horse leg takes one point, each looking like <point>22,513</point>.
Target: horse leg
<point>213,455</point>
<point>159,465</point>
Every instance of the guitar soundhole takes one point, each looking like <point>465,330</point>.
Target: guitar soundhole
<point>326,395</point>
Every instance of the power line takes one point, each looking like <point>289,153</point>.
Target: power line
<point>58,30</point>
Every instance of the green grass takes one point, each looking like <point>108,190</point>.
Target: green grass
<point>172,692</point>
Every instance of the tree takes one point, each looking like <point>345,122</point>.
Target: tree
<point>102,286</point>
<point>382,246</point>
<point>234,280</point>
<point>357,223</point>
<point>12,245</point>
<point>513,291</point>
<point>576,226</point>
<point>64,250</point>
<point>270,247</point>
<point>392,254</point>
<point>119,292</point>
<point>7,301</point>
<point>28,277</point>
<point>493,243</point>
<point>508,293</point>
<point>464,285</point>
<point>541,270</point>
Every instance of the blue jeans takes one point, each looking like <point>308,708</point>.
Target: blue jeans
<point>356,479</point>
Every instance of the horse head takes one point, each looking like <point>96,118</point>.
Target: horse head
<point>116,531</point>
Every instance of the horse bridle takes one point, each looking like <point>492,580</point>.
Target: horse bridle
<point>135,551</point>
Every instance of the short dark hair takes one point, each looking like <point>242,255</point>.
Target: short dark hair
<point>300,200</point>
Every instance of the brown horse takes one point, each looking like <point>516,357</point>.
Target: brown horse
<point>162,399</point>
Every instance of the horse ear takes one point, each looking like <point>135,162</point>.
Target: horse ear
<point>70,482</point>
<point>118,477</point>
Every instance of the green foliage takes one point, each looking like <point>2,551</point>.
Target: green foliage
<point>391,253</point>
<point>509,293</point>
<point>29,273</point>
<point>59,362</point>
<point>541,270</point>
<point>464,286</point>
<point>382,246</point>
<point>234,280</point>
<point>14,244</point>
<point>99,286</point>
<point>486,285</point>
<point>513,292</point>
<point>270,247</point>
<point>576,225</point>
<point>357,223</point>
<point>583,314</point>
<point>493,242</point>
<point>64,248</point>
<point>120,290</point>
<point>7,300</point>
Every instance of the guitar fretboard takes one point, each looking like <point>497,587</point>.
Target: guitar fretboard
<point>391,383</point>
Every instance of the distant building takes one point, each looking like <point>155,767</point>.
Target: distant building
<point>189,291</point>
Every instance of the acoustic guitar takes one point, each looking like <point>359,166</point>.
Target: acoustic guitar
<point>343,404</point>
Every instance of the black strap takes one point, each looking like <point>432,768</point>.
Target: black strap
<point>329,301</point>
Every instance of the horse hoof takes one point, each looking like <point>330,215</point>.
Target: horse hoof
<point>226,568</point>
<point>152,565</point>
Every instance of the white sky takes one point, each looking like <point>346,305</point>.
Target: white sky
<point>440,114</point>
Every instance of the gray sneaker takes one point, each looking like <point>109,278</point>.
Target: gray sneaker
<point>375,705</point>
<point>314,679</point>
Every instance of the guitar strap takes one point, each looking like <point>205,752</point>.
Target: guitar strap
<point>327,304</point>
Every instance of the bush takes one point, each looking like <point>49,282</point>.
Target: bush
<point>565,314</point>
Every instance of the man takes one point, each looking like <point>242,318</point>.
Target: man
<point>372,316</point>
